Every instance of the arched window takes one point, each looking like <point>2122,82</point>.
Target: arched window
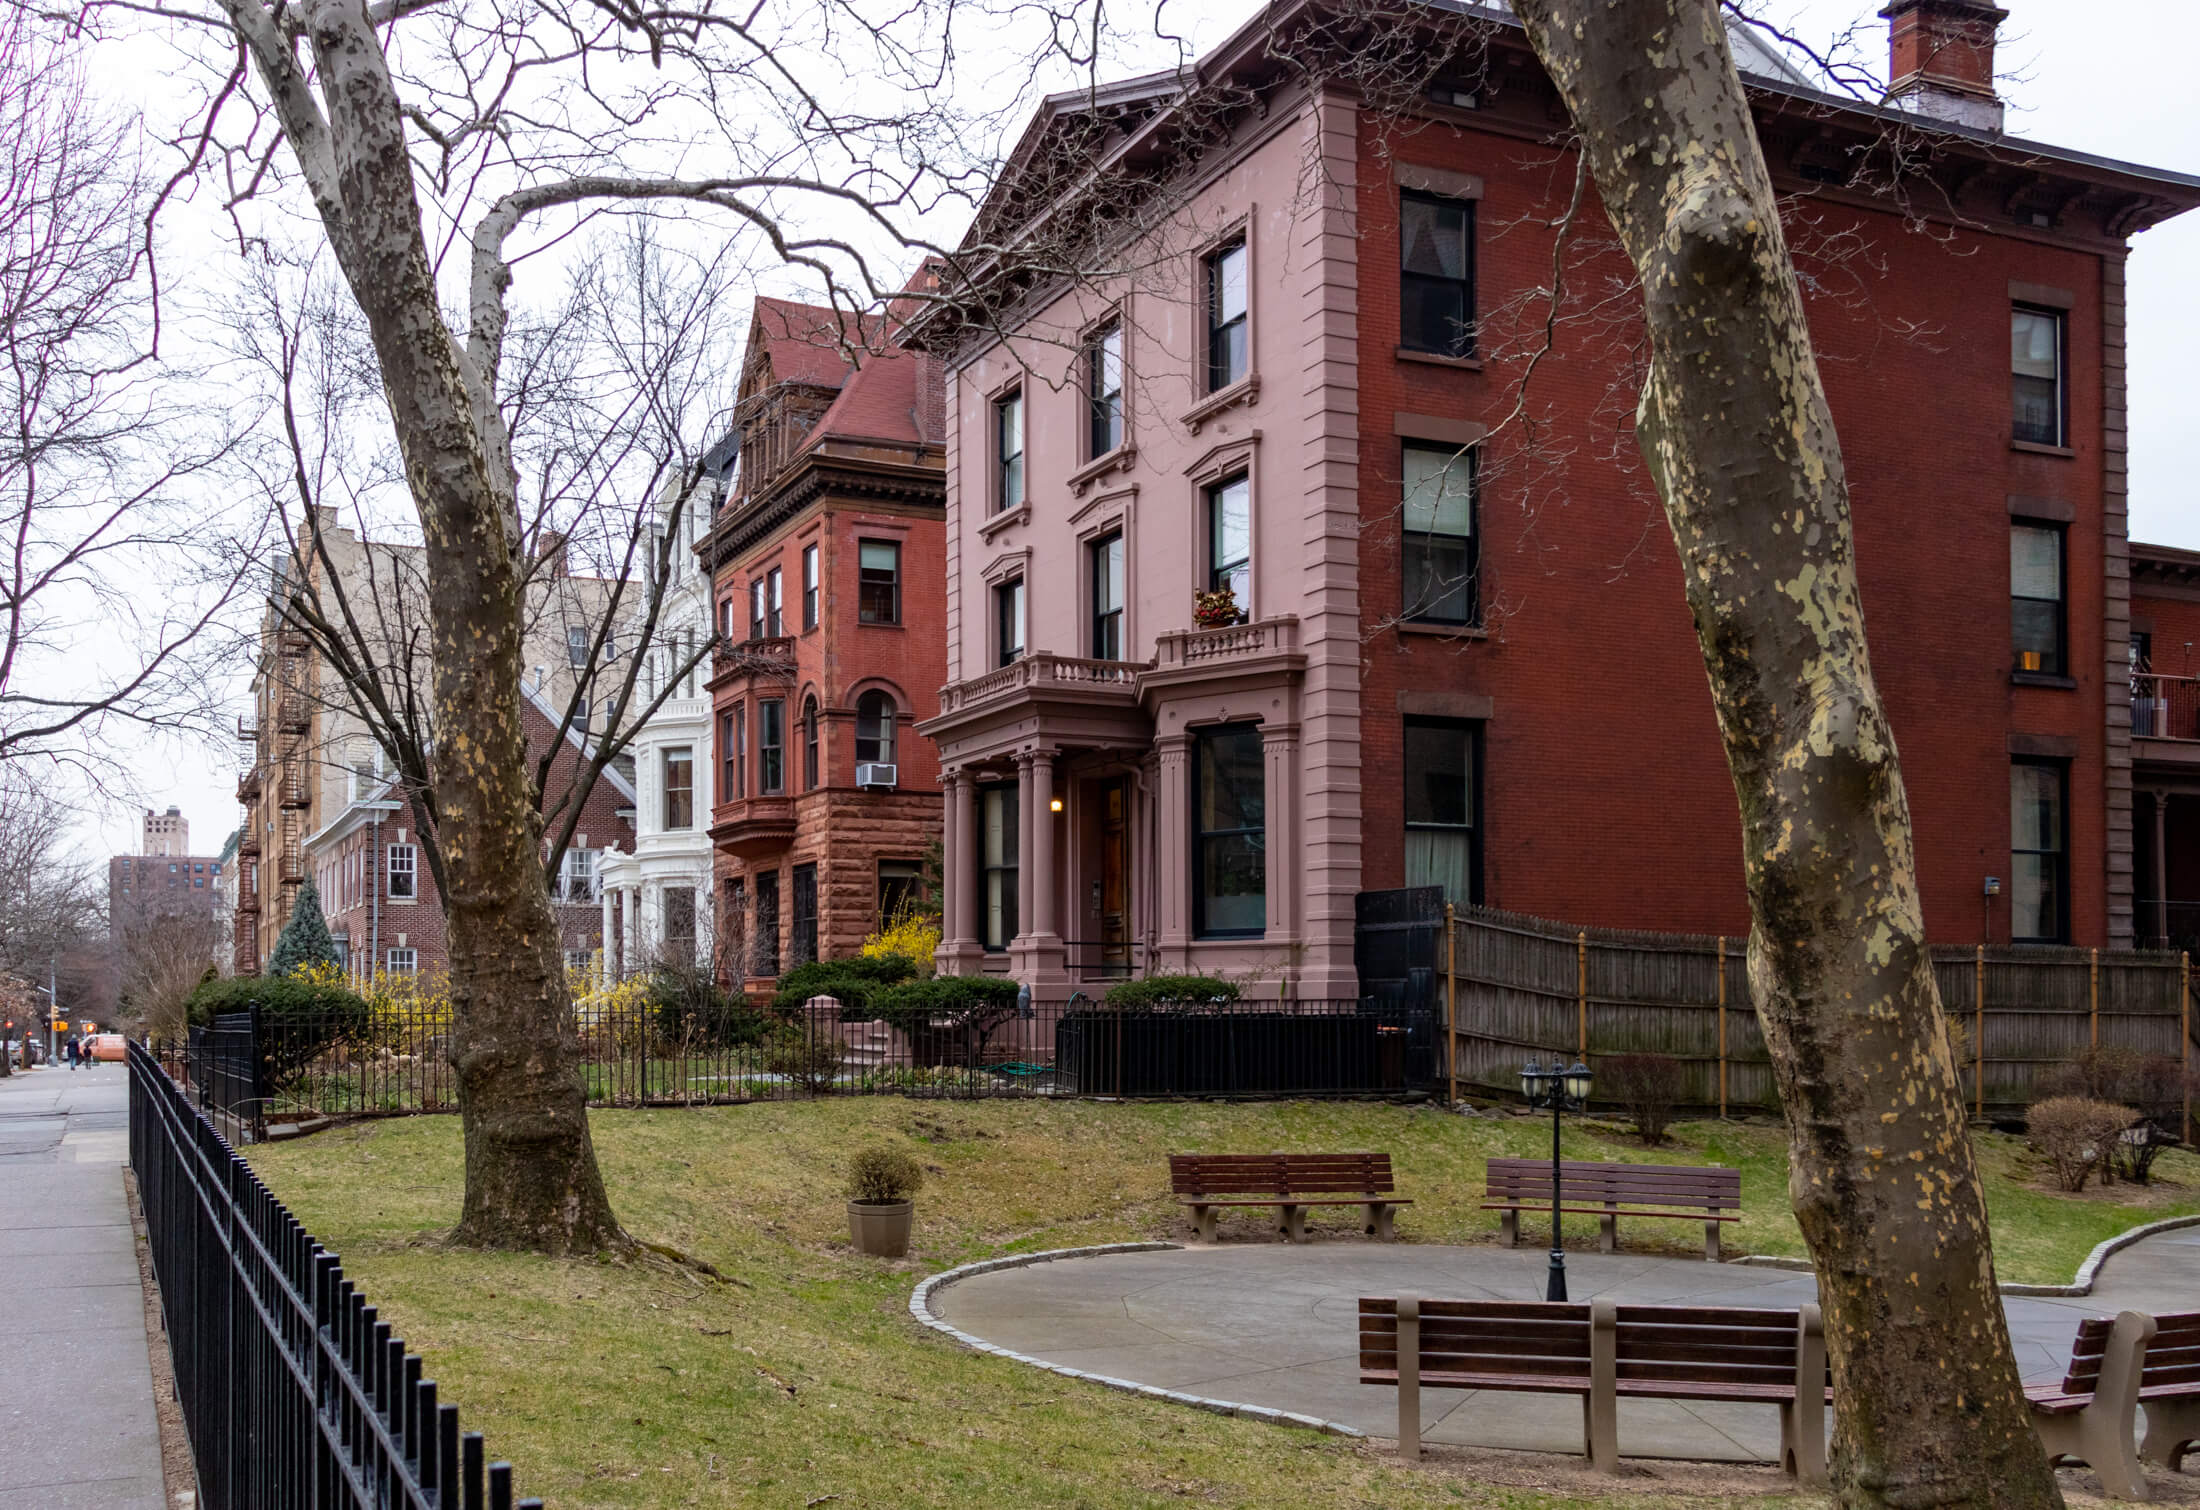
<point>809,744</point>
<point>875,728</point>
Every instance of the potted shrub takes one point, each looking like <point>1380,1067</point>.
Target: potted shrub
<point>880,1182</point>
<point>1217,609</point>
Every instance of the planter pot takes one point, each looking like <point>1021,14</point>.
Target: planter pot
<point>881,1228</point>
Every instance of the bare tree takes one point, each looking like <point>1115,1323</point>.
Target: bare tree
<point>1734,425</point>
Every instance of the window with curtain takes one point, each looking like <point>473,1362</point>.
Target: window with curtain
<point>997,863</point>
<point>771,747</point>
<point>2036,620</point>
<point>874,728</point>
<point>809,587</point>
<point>2039,855</point>
<point>1008,451</point>
<point>1436,274</point>
<point>679,777</point>
<point>1230,540</point>
<point>809,744</point>
<point>878,586</point>
<point>1443,840</point>
<point>1436,536</point>
<point>1228,343</point>
<point>1229,832</point>
<point>1104,390</point>
<point>1107,598</point>
<point>1008,620</point>
<point>2036,376</point>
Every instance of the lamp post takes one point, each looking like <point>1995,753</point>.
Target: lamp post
<point>1562,1090</point>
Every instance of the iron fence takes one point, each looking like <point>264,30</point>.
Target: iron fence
<point>294,1393</point>
<point>646,1055</point>
<point>226,1068</point>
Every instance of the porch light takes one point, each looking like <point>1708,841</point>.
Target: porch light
<point>1531,1081</point>
<point>1577,1083</point>
<point>1054,804</point>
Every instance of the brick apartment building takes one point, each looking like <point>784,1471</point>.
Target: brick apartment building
<point>2165,729</point>
<point>1464,657</point>
<point>827,557</point>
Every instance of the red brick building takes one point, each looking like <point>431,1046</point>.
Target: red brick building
<point>2165,742</point>
<point>830,577</point>
<point>1464,657</point>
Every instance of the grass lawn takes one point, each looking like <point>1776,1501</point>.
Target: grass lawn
<point>632,1384</point>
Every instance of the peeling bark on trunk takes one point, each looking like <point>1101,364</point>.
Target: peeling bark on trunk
<point>1733,423</point>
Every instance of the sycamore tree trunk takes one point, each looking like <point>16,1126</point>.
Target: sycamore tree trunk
<point>531,1175</point>
<point>1733,423</point>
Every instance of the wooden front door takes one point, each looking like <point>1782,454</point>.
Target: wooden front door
<point>1115,876</point>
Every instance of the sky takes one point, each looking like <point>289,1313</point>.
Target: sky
<point>2110,77</point>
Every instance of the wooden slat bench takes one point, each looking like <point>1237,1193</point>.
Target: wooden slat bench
<point>1290,1182</point>
<point>2090,1415</point>
<point>1605,1352</point>
<point>2169,1389</point>
<point>1708,1194</point>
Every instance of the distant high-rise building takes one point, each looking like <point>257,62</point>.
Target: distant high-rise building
<point>166,833</point>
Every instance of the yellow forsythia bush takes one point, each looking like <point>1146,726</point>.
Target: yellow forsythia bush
<point>908,932</point>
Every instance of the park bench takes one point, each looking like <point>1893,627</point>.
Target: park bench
<point>2169,1389</point>
<point>2089,1416</point>
<point>1610,1191</point>
<point>1290,1182</point>
<point>1605,1352</point>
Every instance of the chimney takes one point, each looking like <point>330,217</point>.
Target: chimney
<point>550,549</point>
<point>1940,60</point>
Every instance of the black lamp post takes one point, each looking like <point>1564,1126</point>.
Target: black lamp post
<point>1562,1090</point>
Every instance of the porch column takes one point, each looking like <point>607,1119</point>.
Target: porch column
<point>1173,854</point>
<point>2161,866</point>
<point>1045,942</point>
<point>1279,745</point>
<point>603,955</point>
<point>626,931</point>
<point>960,953</point>
<point>1019,947</point>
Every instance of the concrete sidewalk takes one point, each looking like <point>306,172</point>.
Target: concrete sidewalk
<point>76,1387</point>
<point>1276,1325</point>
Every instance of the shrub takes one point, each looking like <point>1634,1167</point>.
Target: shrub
<point>948,1000</point>
<point>911,933</point>
<point>880,1175</point>
<point>300,1018</point>
<point>810,1060</point>
<point>2077,1135</point>
<point>1648,1085</point>
<point>689,1008</point>
<point>851,982</point>
<point>1158,993</point>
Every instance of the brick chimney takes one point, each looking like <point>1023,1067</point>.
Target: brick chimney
<point>1940,60</point>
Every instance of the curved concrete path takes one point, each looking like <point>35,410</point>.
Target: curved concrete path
<point>1276,1325</point>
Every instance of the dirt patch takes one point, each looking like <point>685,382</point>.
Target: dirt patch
<point>179,1474</point>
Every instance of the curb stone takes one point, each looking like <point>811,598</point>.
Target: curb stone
<point>2082,1283</point>
<point>920,1307</point>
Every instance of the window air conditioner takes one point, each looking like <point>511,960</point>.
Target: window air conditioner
<point>871,775</point>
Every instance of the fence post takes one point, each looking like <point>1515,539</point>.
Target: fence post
<point>1978,1039</point>
<point>2093,999</point>
<point>2184,1039</point>
<point>1722,1027</point>
<point>1581,990</point>
<point>1451,1002</point>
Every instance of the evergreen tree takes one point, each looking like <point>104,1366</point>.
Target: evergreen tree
<point>305,938</point>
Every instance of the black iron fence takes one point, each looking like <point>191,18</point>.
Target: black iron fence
<point>226,1069</point>
<point>294,1393</point>
<point>638,1054</point>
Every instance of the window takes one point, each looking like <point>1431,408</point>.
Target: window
<point>1107,598</point>
<point>580,715</point>
<point>579,959</point>
<point>774,625</point>
<point>577,876</point>
<point>1008,620</point>
<point>1104,390</point>
<point>1230,833</point>
<point>680,928</point>
<point>765,957</point>
<point>402,961</point>
<point>878,582</point>
<point>729,760</point>
<point>1230,540</point>
<point>809,587</point>
<point>736,929</point>
<point>740,749</point>
<point>997,857</point>
<point>1436,536</point>
<point>2036,597</point>
<point>679,771</point>
<point>576,645</point>
<point>404,872</point>
<point>756,609</point>
<point>802,935</point>
<point>1227,332</point>
<point>2036,375</point>
<point>1443,843</point>
<point>1008,451</point>
<point>729,620</point>
<point>2039,857</point>
<point>874,728</point>
<point>809,744</point>
<point>771,752</point>
<point>1436,274</point>
<point>900,889</point>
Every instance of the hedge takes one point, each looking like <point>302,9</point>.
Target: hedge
<point>299,1021</point>
<point>1163,992</point>
<point>948,1000</point>
<point>852,982</point>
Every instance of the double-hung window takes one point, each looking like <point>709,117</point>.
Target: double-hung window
<point>403,961</point>
<point>1443,837</point>
<point>1436,535</point>
<point>1436,274</point>
<point>764,958</point>
<point>809,587</point>
<point>1008,451</point>
<point>1107,597</point>
<point>2036,376</point>
<point>2036,578</point>
<point>771,747</point>
<point>1104,390</point>
<point>878,585</point>
<point>1230,540</point>
<point>577,876</point>
<point>2039,852</point>
<point>875,729</point>
<point>679,777</point>
<point>576,645</point>
<point>740,755</point>
<point>997,863</point>
<point>1230,833</point>
<point>774,625</point>
<point>729,760</point>
<point>756,609</point>
<point>404,862</point>
<point>809,744</point>
<point>1228,349</point>
<point>1008,619</point>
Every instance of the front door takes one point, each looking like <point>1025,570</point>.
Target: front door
<point>1115,876</point>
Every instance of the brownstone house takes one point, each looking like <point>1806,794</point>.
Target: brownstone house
<point>828,563</point>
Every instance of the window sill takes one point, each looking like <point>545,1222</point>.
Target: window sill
<point>1442,631</point>
<point>1092,471</point>
<point>2042,679</point>
<point>1438,359</point>
<point>1245,390</point>
<point>878,624</point>
<point>1021,514</point>
<point>2034,448</point>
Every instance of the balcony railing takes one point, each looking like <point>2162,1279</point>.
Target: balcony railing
<point>248,783</point>
<point>771,656</point>
<point>248,729</point>
<point>1043,668</point>
<point>2165,707</point>
<point>292,714</point>
<point>1193,647</point>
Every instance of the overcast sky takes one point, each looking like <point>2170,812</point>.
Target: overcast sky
<point>2110,77</point>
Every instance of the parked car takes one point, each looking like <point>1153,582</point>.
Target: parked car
<point>109,1046</point>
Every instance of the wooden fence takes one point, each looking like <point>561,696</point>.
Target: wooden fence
<point>1520,987</point>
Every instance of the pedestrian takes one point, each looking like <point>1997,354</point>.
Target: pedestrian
<point>68,1052</point>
